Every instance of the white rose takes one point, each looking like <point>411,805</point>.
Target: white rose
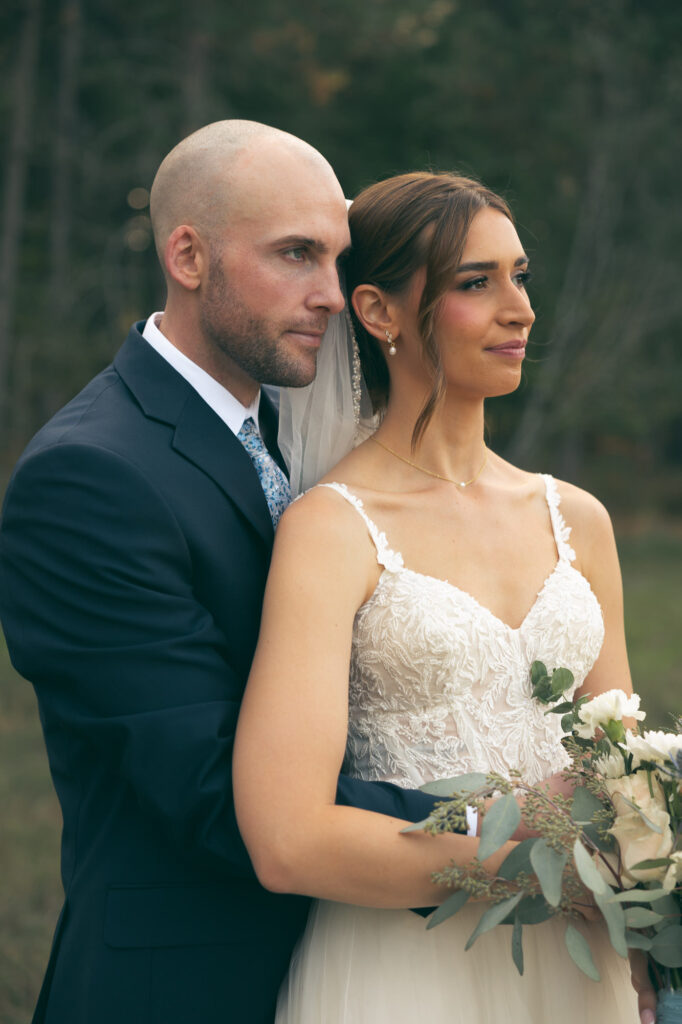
<point>635,839</point>
<point>653,746</point>
<point>614,705</point>
<point>673,875</point>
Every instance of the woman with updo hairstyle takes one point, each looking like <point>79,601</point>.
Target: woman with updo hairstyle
<point>409,594</point>
<point>397,227</point>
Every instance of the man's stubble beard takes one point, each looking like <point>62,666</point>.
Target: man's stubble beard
<point>253,343</point>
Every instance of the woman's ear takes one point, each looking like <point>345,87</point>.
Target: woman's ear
<point>373,310</point>
<point>185,257</point>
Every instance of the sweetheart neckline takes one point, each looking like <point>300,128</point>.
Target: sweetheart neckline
<point>465,593</point>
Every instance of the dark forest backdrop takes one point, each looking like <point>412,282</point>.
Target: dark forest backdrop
<point>573,110</point>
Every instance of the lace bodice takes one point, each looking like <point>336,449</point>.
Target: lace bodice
<point>440,686</point>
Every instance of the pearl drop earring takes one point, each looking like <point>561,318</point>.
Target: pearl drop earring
<point>391,344</point>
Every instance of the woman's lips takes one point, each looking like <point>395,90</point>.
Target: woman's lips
<point>514,348</point>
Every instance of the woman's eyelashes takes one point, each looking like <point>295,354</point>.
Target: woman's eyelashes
<point>477,284</point>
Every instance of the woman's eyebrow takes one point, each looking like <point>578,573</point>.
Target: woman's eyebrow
<point>489,265</point>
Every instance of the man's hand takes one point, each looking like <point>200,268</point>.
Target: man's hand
<point>646,997</point>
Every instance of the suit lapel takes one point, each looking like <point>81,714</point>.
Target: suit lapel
<point>199,435</point>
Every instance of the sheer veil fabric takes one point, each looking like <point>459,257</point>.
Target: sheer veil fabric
<point>322,422</point>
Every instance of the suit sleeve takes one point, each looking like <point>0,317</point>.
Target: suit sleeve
<point>99,613</point>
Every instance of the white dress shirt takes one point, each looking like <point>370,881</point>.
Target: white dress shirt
<point>222,401</point>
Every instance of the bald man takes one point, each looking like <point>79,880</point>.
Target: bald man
<point>134,548</point>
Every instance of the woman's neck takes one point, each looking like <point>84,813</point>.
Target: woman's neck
<point>453,443</point>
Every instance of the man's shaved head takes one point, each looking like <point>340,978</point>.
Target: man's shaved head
<point>249,223</point>
<point>213,174</point>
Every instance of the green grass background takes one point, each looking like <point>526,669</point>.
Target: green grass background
<point>30,891</point>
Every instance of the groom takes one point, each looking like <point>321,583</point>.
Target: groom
<point>135,544</point>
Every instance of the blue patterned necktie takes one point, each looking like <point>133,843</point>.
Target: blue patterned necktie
<point>273,481</point>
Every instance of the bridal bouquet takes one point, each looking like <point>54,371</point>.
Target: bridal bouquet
<point>619,836</point>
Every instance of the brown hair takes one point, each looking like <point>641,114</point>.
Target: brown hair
<point>397,226</point>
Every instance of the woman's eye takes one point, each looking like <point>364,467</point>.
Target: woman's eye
<point>476,284</point>
<point>523,278</point>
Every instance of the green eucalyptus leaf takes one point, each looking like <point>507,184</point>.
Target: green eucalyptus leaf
<point>641,917</point>
<point>493,916</point>
<point>589,875</point>
<point>549,866</point>
<point>538,671</point>
<point>499,825</point>
<point>585,805</point>
<point>543,691</point>
<point>567,722</point>
<point>669,907</point>
<point>449,907</point>
<point>607,844</point>
<point>614,915</point>
<point>533,910</point>
<point>666,946</point>
<point>639,896</point>
<point>580,953</point>
<point>517,945</point>
<point>636,940</point>
<point>459,784</point>
<point>418,826</point>
<point>560,709</point>
<point>518,860</point>
<point>562,679</point>
<point>654,862</point>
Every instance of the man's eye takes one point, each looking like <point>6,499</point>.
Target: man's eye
<point>298,253</point>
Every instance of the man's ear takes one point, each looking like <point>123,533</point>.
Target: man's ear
<point>185,257</point>
<point>374,311</point>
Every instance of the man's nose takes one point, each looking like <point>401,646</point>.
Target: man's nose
<point>329,294</point>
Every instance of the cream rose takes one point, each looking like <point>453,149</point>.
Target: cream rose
<point>673,875</point>
<point>614,705</point>
<point>635,839</point>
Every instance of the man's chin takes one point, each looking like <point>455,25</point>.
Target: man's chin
<point>296,373</point>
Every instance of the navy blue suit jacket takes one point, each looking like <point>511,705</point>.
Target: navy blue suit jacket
<point>134,550</point>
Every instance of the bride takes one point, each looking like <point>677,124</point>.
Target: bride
<point>430,573</point>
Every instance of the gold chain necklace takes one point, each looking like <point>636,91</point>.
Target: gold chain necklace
<point>429,472</point>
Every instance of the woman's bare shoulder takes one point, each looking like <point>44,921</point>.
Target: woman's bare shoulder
<point>581,509</point>
<point>323,517</point>
<point>592,535</point>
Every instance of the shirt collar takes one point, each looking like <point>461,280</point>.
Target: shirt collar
<point>222,401</point>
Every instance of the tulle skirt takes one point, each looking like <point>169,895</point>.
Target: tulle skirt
<point>355,965</point>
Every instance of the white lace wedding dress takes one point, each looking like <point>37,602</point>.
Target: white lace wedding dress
<point>439,686</point>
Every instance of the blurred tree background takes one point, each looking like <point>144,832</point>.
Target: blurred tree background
<point>571,110</point>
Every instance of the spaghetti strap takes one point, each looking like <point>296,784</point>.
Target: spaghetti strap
<point>561,531</point>
<point>389,559</point>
